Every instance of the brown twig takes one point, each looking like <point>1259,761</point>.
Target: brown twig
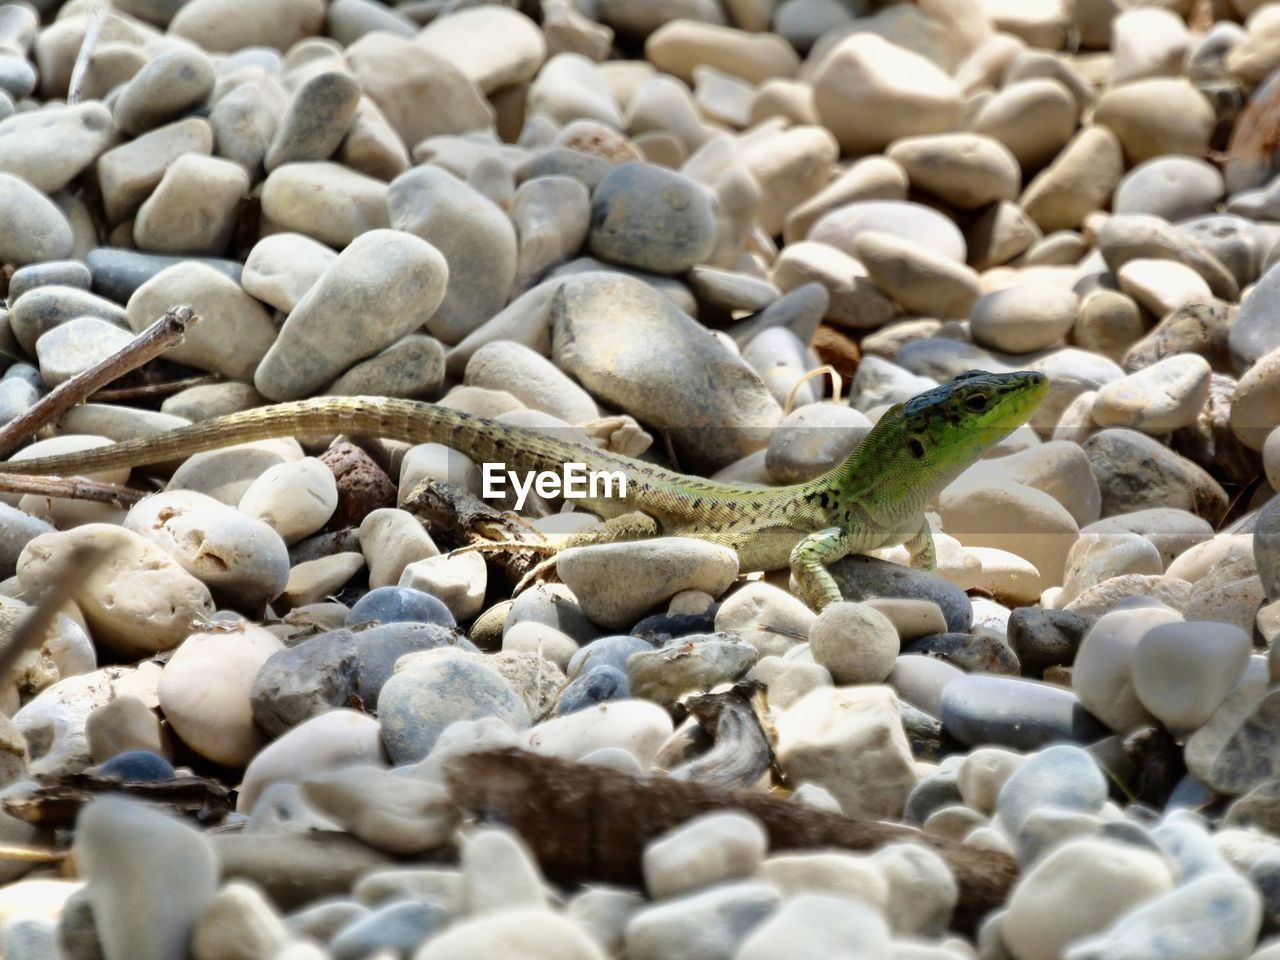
<point>149,391</point>
<point>166,332</point>
<point>588,823</point>
<point>71,488</point>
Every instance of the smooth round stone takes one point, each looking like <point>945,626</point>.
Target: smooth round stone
<point>1217,915</point>
<point>32,228</point>
<point>234,332</point>
<point>240,918</point>
<point>1136,472</point>
<point>335,739</point>
<point>982,773</point>
<point>476,238</point>
<point>1023,318</point>
<point>854,641</point>
<point>61,273</point>
<point>713,922</point>
<point>1034,118</point>
<point>639,21</point>
<point>129,172</point>
<point>205,690</point>
<point>1079,181</point>
<point>385,274</point>
<point>531,378</point>
<point>149,877</point>
<point>600,683</point>
<point>853,300</point>
<point>965,170</point>
<point>870,92</point>
<point>133,766</point>
<point>607,651</point>
<point>318,117</point>
<point>465,40</point>
<point>304,680</point>
<point>1156,117</point>
<point>76,346</point>
<point>919,681</point>
<point>1102,880</point>
<point>1183,671</point>
<point>1175,188</point>
<point>295,499</point>
<point>1169,394</point>
<point>637,726</point>
<point>540,639</point>
<point>242,561</point>
<point>1162,286</point>
<point>416,705</point>
<point>617,583</point>
<point>117,273</point>
<point>169,85</point>
<point>50,147</point>
<point>399,604</point>
<point>863,578</point>
<point>652,219</point>
<point>125,724</point>
<point>818,925</point>
<point>137,600</point>
<point>1013,517</point>
<point>979,652</point>
<point>458,581</point>
<point>710,849</point>
<point>1023,714</point>
<point>413,366</point>
<point>194,207</point>
<point>1098,557</point>
<point>871,178</point>
<point>400,815</point>
<point>1063,776</point>
<point>812,440</point>
<point>399,927</point>
<point>225,26</point>
<point>325,201</point>
<point>552,216</point>
<point>842,226</point>
<point>1104,675</point>
<point>281,268</point>
<point>531,932</point>
<point>915,277</point>
<point>678,47</point>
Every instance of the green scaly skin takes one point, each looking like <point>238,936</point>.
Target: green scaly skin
<point>875,498</point>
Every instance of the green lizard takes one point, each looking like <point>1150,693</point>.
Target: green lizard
<point>875,498</point>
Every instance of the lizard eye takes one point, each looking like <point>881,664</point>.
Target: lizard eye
<point>915,447</point>
<point>977,403</point>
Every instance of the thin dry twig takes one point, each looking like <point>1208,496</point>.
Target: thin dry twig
<point>25,854</point>
<point>92,32</point>
<point>71,488</point>
<point>166,332</point>
<point>31,629</point>
<point>149,391</point>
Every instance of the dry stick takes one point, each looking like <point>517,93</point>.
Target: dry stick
<point>588,823</point>
<point>166,332</point>
<point>91,34</point>
<point>71,488</point>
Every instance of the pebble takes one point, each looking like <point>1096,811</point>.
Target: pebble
<point>205,691</point>
<point>1014,712</point>
<point>1023,318</point>
<point>32,226</point>
<point>476,239</point>
<point>1103,880</point>
<point>417,704</point>
<point>1175,188</point>
<point>965,170</point>
<point>917,278</point>
<point>816,925</point>
<point>637,726</point>
<point>334,739</point>
<point>711,849</point>
<point>711,923</point>
<point>1184,670</point>
<point>399,815</point>
<point>49,148</point>
<point>855,642</point>
<point>325,201</point>
<point>532,932</point>
<point>651,219</point>
<point>399,927</point>
<point>1078,181</point>
<point>1136,472</point>
<point>129,850</point>
<point>1156,117</point>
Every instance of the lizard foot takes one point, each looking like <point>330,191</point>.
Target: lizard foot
<point>543,572</point>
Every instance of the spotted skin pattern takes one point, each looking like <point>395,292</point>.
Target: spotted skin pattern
<point>875,498</point>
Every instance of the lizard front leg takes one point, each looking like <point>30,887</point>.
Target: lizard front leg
<point>809,559</point>
<point>921,549</point>
<point>628,526</point>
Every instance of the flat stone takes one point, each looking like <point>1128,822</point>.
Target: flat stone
<point>325,201</point>
<point>229,25</point>
<point>49,148</point>
<point>1136,472</point>
<point>965,170</point>
<point>1007,711</point>
<point>915,277</point>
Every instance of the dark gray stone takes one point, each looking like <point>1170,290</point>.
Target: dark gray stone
<point>1045,638</point>
<point>939,789</point>
<point>62,273</point>
<point>597,685</point>
<point>980,710</point>
<point>586,168</point>
<point>607,651</point>
<point>118,272</point>
<point>972,653</point>
<point>1266,547</point>
<point>318,674</point>
<point>867,578</point>
<point>399,605</point>
<point>645,216</point>
<point>378,649</point>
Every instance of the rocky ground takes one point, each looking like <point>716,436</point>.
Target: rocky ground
<point>258,729</point>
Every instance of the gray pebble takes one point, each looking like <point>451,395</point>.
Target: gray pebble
<point>1062,776</point>
<point>32,228</point>
<point>118,272</point>
<point>654,219</point>
<point>168,86</point>
<point>316,121</point>
<point>397,927</point>
<point>1008,711</point>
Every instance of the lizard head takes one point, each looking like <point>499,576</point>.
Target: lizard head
<point>932,438</point>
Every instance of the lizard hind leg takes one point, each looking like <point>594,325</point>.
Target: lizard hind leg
<point>628,526</point>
